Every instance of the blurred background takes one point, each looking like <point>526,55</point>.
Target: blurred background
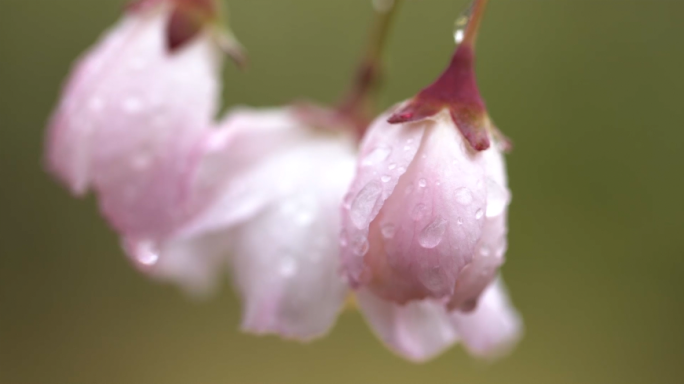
<point>590,91</point>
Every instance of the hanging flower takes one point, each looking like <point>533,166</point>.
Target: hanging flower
<point>424,222</point>
<point>130,116</point>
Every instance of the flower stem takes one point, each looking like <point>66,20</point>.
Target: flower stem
<point>476,16</point>
<point>357,105</point>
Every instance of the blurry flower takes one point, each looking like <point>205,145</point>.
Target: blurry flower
<point>274,222</point>
<point>129,118</point>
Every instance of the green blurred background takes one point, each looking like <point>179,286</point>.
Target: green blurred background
<point>590,91</point>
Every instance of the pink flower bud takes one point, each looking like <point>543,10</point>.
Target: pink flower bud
<point>418,210</point>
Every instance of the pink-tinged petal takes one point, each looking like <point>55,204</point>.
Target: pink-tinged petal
<point>427,230</point>
<point>286,260</point>
<point>270,190</point>
<point>418,331</point>
<point>70,131</point>
<point>484,267</point>
<point>129,122</point>
<point>494,327</point>
<point>237,159</point>
<point>491,249</point>
<point>386,153</point>
<point>225,188</point>
<point>195,264</point>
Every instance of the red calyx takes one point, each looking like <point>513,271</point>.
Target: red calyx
<point>188,18</point>
<point>456,89</point>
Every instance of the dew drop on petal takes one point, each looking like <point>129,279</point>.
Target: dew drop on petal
<point>422,183</point>
<point>401,170</point>
<point>304,218</point>
<point>392,166</point>
<point>347,202</point>
<point>343,239</point>
<point>144,253</point>
<point>137,64</point>
<point>419,212</point>
<point>479,214</point>
<point>388,230</point>
<point>433,234</point>
<point>96,104</point>
<point>360,246</point>
<point>459,221</point>
<point>386,178</point>
<point>464,196</point>
<point>141,162</point>
<point>362,207</point>
<point>497,198</point>
<point>132,105</point>
<point>378,155</point>
<point>288,267</point>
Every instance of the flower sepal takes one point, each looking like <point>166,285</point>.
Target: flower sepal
<point>190,18</point>
<point>456,90</point>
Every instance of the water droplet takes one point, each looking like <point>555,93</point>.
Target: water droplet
<point>459,34</point>
<point>419,212</point>
<point>145,253</point>
<point>479,214</point>
<point>401,170</point>
<point>424,156</point>
<point>464,196</point>
<point>362,207</point>
<point>137,63</point>
<point>96,104</point>
<point>462,23</point>
<point>288,266</point>
<point>388,231</point>
<point>141,162</point>
<point>379,154</point>
<point>409,141</point>
<point>438,183</point>
<point>386,179</point>
<point>407,148</point>
<point>484,251</point>
<point>304,218</point>
<point>392,166</point>
<point>132,105</point>
<point>383,6</point>
<point>360,246</point>
<point>497,198</point>
<point>347,202</point>
<point>422,183</point>
<point>343,239</point>
<point>300,210</point>
<point>459,221</point>
<point>433,234</point>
